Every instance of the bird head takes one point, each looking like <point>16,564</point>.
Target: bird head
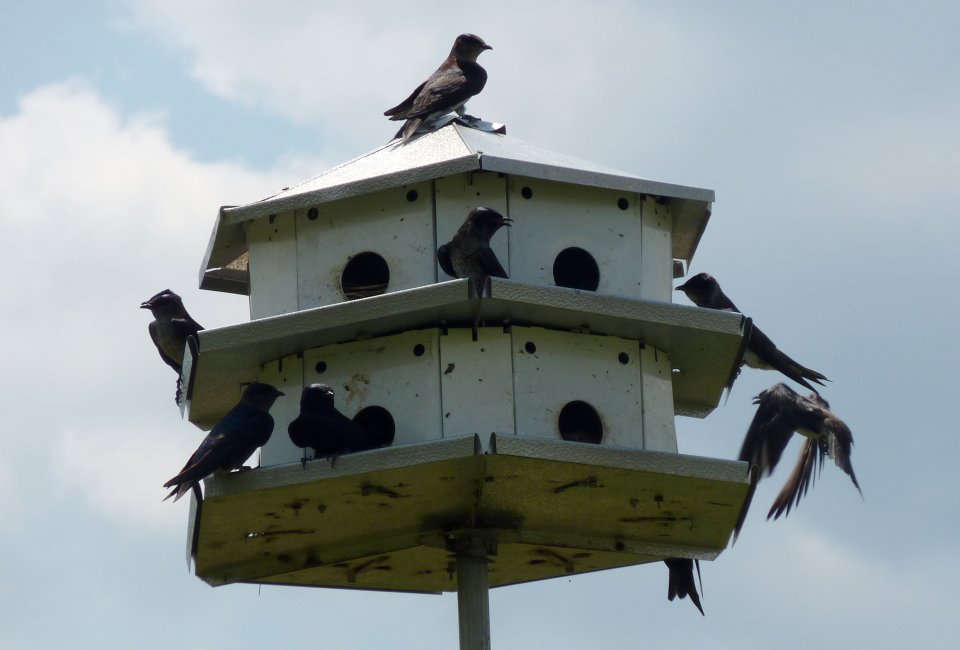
<point>468,47</point>
<point>316,395</point>
<point>260,396</point>
<point>165,302</point>
<point>487,221</point>
<point>699,287</point>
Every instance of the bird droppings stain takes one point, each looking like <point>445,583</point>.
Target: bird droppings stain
<point>589,482</point>
<point>369,488</point>
<point>450,367</point>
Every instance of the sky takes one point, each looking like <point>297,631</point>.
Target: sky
<point>829,131</point>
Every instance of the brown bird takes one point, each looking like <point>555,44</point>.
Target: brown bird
<point>468,254</point>
<point>761,353</point>
<point>170,328</point>
<point>780,413</point>
<point>448,89</point>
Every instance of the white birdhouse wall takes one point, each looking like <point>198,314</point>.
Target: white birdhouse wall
<point>612,242</point>
<point>429,384</point>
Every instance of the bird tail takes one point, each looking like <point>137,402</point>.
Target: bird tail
<point>681,582</point>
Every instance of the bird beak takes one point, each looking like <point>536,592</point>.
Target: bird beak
<point>487,47</point>
<point>507,221</point>
<point>145,305</point>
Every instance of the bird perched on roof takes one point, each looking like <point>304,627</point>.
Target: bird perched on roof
<point>468,254</point>
<point>448,89</point>
<point>761,353</point>
<point>321,426</point>
<point>681,580</point>
<point>170,328</point>
<point>780,413</point>
<point>232,440</point>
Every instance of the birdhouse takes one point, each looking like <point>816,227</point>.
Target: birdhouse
<point>537,413</point>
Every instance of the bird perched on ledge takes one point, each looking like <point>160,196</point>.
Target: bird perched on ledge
<point>245,427</point>
<point>780,413</point>
<point>704,291</point>
<point>448,89</point>
<point>321,426</point>
<point>170,328</point>
<point>468,254</point>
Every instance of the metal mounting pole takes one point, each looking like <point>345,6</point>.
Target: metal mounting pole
<point>473,593</point>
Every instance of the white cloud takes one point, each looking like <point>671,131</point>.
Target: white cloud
<point>99,211</point>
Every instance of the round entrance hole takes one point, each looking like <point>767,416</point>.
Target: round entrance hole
<point>580,422</point>
<point>365,275</point>
<point>378,424</point>
<point>575,268</point>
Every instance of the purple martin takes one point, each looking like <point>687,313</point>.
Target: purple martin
<point>321,426</point>
<point>448,89</point>
<point>170,328</point>
<point>232,440</point>
<point>761,353</point>
<point>468,254</point>
<point>681,581</point>
<point>780,413</point>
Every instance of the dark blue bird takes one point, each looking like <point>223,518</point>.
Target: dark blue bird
<point>681,580</point>
<point>235,437</point>
<point>321,426</point>
<point>170,328</point>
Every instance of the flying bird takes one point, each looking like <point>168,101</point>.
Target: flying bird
<point>780,413</point>
<point>468,254</point>
<point>232,440</point>
<point>170,328</point>
<point>448,89</point>
<point>761,353</point>
<point>321,426</point>
<point>681,580</point>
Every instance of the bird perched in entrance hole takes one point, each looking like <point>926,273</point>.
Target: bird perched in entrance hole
<point>321,426</point>
<point>468,254</point>
<point>761,353</point>
<point>681,580</point>
<point>780,413</point>
<point>448,89</point>
<point>170,328</point>
<point>232,440</point>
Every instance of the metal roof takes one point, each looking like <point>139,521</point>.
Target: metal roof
<point>453,149</point>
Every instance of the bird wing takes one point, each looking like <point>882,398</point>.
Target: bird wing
<point>809,462</point>
<point>399,112</point>
<point>490,263</point>
<point>780,412</point>
<point>152,328</point>
<point>443,257</point>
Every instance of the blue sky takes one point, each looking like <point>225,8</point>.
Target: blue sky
<point>829,133</point>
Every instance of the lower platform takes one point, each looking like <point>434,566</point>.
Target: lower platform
<point>390,519</point>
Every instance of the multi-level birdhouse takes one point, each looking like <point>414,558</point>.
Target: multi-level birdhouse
<point>549,427</point>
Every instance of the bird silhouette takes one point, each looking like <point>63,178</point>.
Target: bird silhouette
<point>232,440</point>
<point>681,582</point>
<point>321,426</point>
<point>448,89</point>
